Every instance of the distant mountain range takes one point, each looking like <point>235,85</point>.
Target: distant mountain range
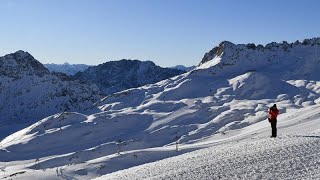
<point>72,69</point>
<point>69,69</point>
<point>116,76</point>
<point>184,68</point>
<point>119,75</point>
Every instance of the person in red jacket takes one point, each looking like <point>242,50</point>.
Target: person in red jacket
<point>273,113</point>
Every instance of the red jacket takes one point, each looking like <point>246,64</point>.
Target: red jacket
<point>273,113</point>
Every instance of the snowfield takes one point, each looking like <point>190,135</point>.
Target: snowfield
<point>248,153</point>
<point>217,113</point>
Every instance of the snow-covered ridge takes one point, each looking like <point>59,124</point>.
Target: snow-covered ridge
<point>294,60</point>
<point>227,47</point>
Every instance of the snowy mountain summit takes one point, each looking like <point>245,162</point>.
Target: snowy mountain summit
<point>29,92</point>
<point>222,104</point>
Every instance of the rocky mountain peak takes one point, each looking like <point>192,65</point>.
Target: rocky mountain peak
<point>217,51</point>
<point>21,63</point>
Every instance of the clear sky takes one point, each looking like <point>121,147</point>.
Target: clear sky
<point>168,32</point>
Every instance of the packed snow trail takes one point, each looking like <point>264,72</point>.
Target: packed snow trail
<point>286,157</point>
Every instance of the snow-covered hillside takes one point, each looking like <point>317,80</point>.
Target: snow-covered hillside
<point>69,69</point>
<point>29,92</point>
<point>115,76</point>
<point>246,153</point>
<point>221,104</point>
<point>252,155</point>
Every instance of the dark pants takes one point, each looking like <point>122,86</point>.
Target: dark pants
<point>274,127</point>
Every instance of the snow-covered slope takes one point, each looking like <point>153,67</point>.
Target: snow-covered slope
<point>66,68</point>
<point>246,153</point>
<point>29,92</point>
<point>293,155</point>
<point>115,76</point>
<point>224,100</point>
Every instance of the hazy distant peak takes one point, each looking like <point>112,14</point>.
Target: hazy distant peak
<point>69,69</point>
<point>183,68</point>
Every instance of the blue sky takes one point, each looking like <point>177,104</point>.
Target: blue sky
<point>168,32</point>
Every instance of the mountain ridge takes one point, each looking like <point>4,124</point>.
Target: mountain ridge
<point>115,76</point>
<point>226,45</point>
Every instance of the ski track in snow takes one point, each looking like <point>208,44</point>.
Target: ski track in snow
<point>286,157</point>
